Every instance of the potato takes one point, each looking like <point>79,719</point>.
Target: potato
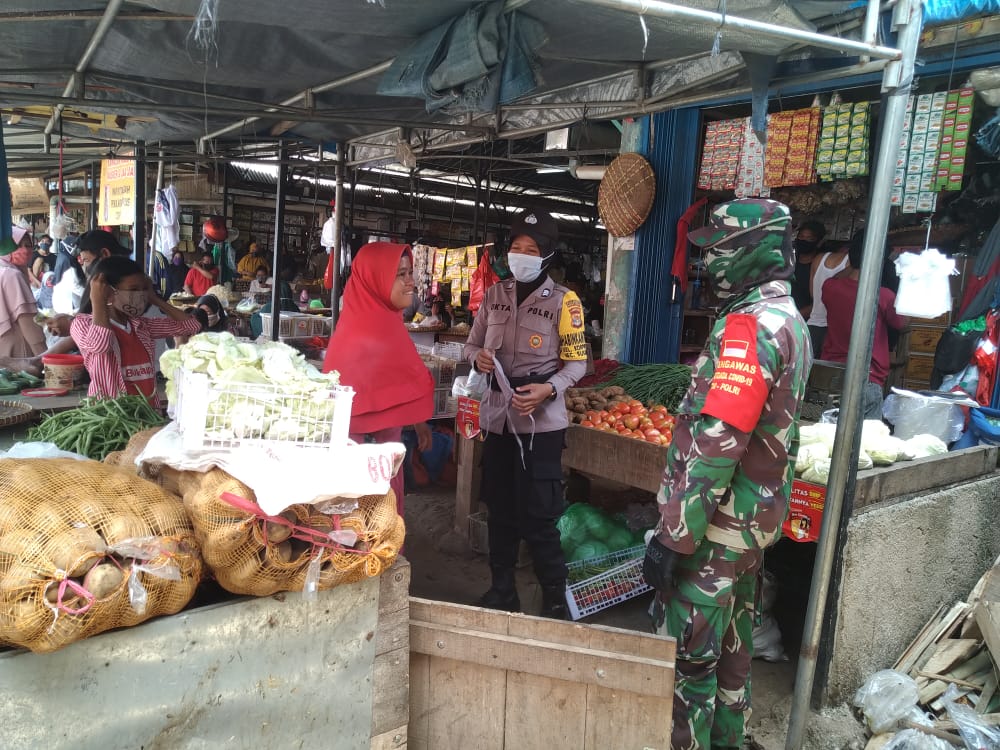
<point>276,533</point>
<point>75,550</point>
<point>18,543</point>
<point>48,519</point>
<point>280,553</point>
<point>71,599</point>
<point>168,517</point>
<point>104,580</point>
<point>22,623</point>
<point>122,526</point>
<point>9,517</point>
<point>20,580</point>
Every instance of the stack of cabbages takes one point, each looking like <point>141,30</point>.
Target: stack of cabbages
<point>878,448</point>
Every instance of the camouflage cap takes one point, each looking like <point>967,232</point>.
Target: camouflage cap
<point>747,220</point>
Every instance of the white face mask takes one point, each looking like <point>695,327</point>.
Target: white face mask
<point>525,268</point>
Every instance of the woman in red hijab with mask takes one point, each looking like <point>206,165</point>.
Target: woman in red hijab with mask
<point>374,354</point>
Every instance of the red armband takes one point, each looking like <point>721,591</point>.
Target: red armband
<point>738,390</point>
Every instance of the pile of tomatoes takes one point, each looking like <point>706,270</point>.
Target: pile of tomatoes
<point>633,420</point>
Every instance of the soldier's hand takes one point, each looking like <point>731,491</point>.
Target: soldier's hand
<point>658,565</point>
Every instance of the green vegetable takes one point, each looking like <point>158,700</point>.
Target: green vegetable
<point>588,550</point>
<point>99,426</point>
<point>654,384</point>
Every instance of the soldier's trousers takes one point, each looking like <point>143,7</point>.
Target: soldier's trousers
<point>525,500</point>
<point>714,650</point>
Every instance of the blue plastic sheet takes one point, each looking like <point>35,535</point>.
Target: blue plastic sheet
<point>941,11</point>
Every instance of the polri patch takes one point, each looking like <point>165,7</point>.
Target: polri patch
<point>545,293</point>
<point>535,341</point>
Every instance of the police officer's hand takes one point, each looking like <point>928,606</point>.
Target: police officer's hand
<point>484,360</point>
<point>658,565</point>
<point>529,397</point>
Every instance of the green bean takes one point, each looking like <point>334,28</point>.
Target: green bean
<point>99,426</point>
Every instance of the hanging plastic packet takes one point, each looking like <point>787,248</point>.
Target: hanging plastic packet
<point>924,289</point>
<point>310,588</point>
<point>469,390</point>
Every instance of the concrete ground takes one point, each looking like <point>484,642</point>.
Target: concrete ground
<point>445,568</point>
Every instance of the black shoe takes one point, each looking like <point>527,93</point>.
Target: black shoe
<point>506,601</point>
<point>554,603</point>
<point>502,594</point>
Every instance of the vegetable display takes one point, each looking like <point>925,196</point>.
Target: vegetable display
<point>13,382</point>
<point>263,390</point>
<point>878,448</point>
<point>654,384</point>
<point>99,426</point>
<point>588,533</point>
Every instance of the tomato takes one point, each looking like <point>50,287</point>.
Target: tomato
<point>637,409</point>
<point>645,422</point>
<point>631,421</point>
<point>671,420</point>
<point>664,441</point>
<point>637,435</point>
<point>603,415</point>
<point>633,403</point>
<point>620,428</point>
<point>586,423</point>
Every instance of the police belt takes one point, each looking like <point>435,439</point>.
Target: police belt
<point>516,383</point>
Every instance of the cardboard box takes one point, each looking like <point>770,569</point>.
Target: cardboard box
<point>924,339</point>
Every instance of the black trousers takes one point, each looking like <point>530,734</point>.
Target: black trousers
<point>525,501</point>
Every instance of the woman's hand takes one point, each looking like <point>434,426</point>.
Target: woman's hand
<point>529,397</point>
<point>425,439</point>
<point>484,360</point>
<point>100,290</point>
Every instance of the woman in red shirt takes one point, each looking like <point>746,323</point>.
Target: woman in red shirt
<point>116,342</point>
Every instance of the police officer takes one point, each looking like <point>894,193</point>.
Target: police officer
<point>529,332</point>
<point>729,470</point>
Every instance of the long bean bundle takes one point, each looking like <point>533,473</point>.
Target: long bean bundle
<point>98,426</point>
<point>654,384</point>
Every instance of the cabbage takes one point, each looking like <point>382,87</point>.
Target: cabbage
<point>808,454</point>
<point>886,450</point>
<point>922,446</point>
<point>820,433</point>
<point>818,471</point>
<point>872,432</point>
<point>864,461</point>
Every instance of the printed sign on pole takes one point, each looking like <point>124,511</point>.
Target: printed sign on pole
<point>116,200</point>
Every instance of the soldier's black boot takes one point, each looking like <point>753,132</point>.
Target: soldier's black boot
<point>502,594</point>
<point>554,603</point>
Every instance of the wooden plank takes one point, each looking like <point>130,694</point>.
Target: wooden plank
<point>445,613</point>
<point>597,637</point>
<point>988,619</point>
<point>394,739</point>
<point>560,722</point>
<point>467,455</point>
<point>593,667</point>
<point>624,460</point>
<point>418,730</point>
<point>621,719</point>
<point>958,610</point>
<point>393,631</point>
<point>466,708</point>
<point>919,644</point>
<point>949,652</point>
<point>955,680</point>
<point>390,690</point>
<point>954,739</point>
<point>910,477</point>
<point>932,690</point>
<point>989,690</point>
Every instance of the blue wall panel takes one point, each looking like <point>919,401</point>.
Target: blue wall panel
<point>654,321</point>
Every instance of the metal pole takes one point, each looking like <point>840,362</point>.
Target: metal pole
<point>155,245</point>
<point>711,20</point>
<point>139,225</point>
<point>92,224</point>
<point>279,224</point>
<point>475,209</point>
<point>225,192</point>
<point>897,80</point>
<point>338,232</point>
<point>869,33</point>
<point>76,79</point>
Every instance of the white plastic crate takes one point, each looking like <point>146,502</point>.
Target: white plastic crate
<point>601,582</point>
<point>215,416</point>
<point>297,325</point>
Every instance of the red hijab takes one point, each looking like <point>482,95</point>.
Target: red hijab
<point>372,351</point>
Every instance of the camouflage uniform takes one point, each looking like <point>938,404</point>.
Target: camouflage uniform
<point>729,469</point>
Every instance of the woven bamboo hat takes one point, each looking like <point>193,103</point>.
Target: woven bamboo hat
<point>625,197</point>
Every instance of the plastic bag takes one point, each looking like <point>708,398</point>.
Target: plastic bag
<point>914,739</point>
<point>976,733</point>
<point>40,450</point>
<point>924,289</point>
<point>482,279</point>
<point>916,414</point>
<point>886,698</point>
<point>767,640</point>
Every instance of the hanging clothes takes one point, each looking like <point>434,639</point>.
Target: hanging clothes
<point>679,267</point>
<point>166,220</point>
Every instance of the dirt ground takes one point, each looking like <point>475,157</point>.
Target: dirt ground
<point>445,568</point>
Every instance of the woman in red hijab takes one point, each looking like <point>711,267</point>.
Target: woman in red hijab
<point>374,354</point>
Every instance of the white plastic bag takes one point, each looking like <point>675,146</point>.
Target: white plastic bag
<point>916,414</point>
<point>976,733</point>
<point>767,640</point>
<point>40,450</point>
<point>924,290</point>
<point>886,698</point>
<point>914,739</point>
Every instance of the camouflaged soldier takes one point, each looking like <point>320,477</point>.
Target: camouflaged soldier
<point>729,470</point>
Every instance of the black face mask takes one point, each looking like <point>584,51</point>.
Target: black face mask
<point>805,247</point>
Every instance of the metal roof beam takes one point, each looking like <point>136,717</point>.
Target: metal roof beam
<point>660,9</point>
<point>76,79</point>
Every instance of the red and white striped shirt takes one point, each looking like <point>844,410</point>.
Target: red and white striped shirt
<point>102,355</point>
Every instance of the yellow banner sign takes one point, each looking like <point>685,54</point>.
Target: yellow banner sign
<point>116,200</point>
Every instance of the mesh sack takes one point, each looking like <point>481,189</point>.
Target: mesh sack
<point>67,568</point>
<point>126,457</point>
<point>248,554</point>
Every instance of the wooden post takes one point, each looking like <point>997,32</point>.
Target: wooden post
<point>467,455</point>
